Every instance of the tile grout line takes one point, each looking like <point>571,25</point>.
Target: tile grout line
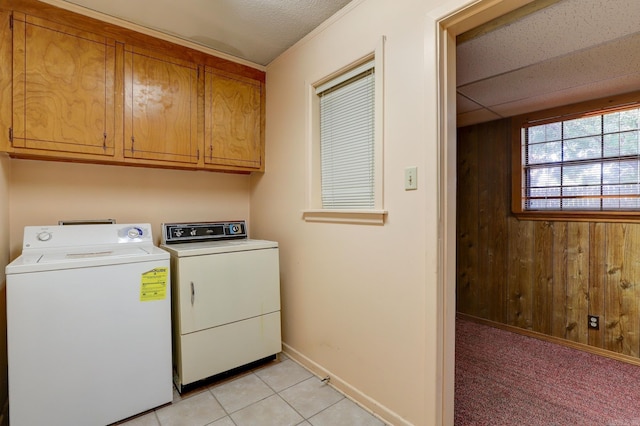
<point>229,413</point>
<point>275,378</point>
<point>222,406</point>
<point>343,396</point>
<point>284,400</point>
<point>327,407</point>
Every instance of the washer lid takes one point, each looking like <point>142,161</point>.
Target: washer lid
<point>84,257</point>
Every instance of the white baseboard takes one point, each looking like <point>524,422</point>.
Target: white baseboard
<point>374,407</point>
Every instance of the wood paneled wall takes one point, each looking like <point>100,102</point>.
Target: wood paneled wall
<point>539,275</point>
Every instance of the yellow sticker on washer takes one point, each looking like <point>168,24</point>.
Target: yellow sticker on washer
<point>153,285</point>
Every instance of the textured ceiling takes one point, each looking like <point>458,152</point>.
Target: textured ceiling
<point>567,52</point>
<point>254,30</point>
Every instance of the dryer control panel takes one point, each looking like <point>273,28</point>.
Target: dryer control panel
<point>173,233</point>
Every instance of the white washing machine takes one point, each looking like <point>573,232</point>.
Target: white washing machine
<point>88,325</point>
<point>226,299</point>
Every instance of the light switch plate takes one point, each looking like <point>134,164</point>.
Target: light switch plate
<point>410,178</point>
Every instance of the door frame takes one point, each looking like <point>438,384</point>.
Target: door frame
<point>450,23</point>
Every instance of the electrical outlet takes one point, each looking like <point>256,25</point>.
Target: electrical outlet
<point>594,322</point>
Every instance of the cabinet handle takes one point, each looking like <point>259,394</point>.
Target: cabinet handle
<point>193,293</point>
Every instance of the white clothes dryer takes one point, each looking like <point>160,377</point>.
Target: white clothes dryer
<point>226,299</point>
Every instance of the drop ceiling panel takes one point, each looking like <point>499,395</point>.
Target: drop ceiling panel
<point>576,71</point>
<point>475,117</point>
<point>567,52</point>
<point>466,105</point>
<point>543,101</point>
<point>558,30</point>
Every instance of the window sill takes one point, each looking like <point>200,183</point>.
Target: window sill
<point>363,217</point>
<point>579,216</point>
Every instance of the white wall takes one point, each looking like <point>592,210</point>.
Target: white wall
<point>361,302</point>
<point>43,192</point>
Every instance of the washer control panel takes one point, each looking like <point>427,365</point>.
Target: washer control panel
<point>50,237</point>
<point>173,233</point>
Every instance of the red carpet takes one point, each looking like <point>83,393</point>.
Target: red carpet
<point>503,378</point>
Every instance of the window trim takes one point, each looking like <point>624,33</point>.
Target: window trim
<point>313,211</point>
<point>582,109</point>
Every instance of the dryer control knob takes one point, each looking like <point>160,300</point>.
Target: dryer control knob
<point>44,236</point>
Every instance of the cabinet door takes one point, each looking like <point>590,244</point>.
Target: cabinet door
<point>63,88</point>
<point>233,120</point>
<point>161,102</point>
<point>219,289</point>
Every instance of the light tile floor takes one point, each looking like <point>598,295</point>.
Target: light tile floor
<point>280,393</point>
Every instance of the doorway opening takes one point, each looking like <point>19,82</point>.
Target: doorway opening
<point>448,27</point>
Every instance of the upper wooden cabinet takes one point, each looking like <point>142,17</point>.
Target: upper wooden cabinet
<point>63,88</point>
<point>160,107</point>
<point>76,88</point>
<point>233,120</point>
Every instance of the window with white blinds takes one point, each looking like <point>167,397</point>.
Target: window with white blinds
<point>586,162</point>
<point>347,139</point>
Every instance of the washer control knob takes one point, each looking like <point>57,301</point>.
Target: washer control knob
<point>44,236</point>
<point>134,233</point>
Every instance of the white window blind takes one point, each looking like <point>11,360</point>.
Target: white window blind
<point>583,163</point>
<point>347,139</point>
